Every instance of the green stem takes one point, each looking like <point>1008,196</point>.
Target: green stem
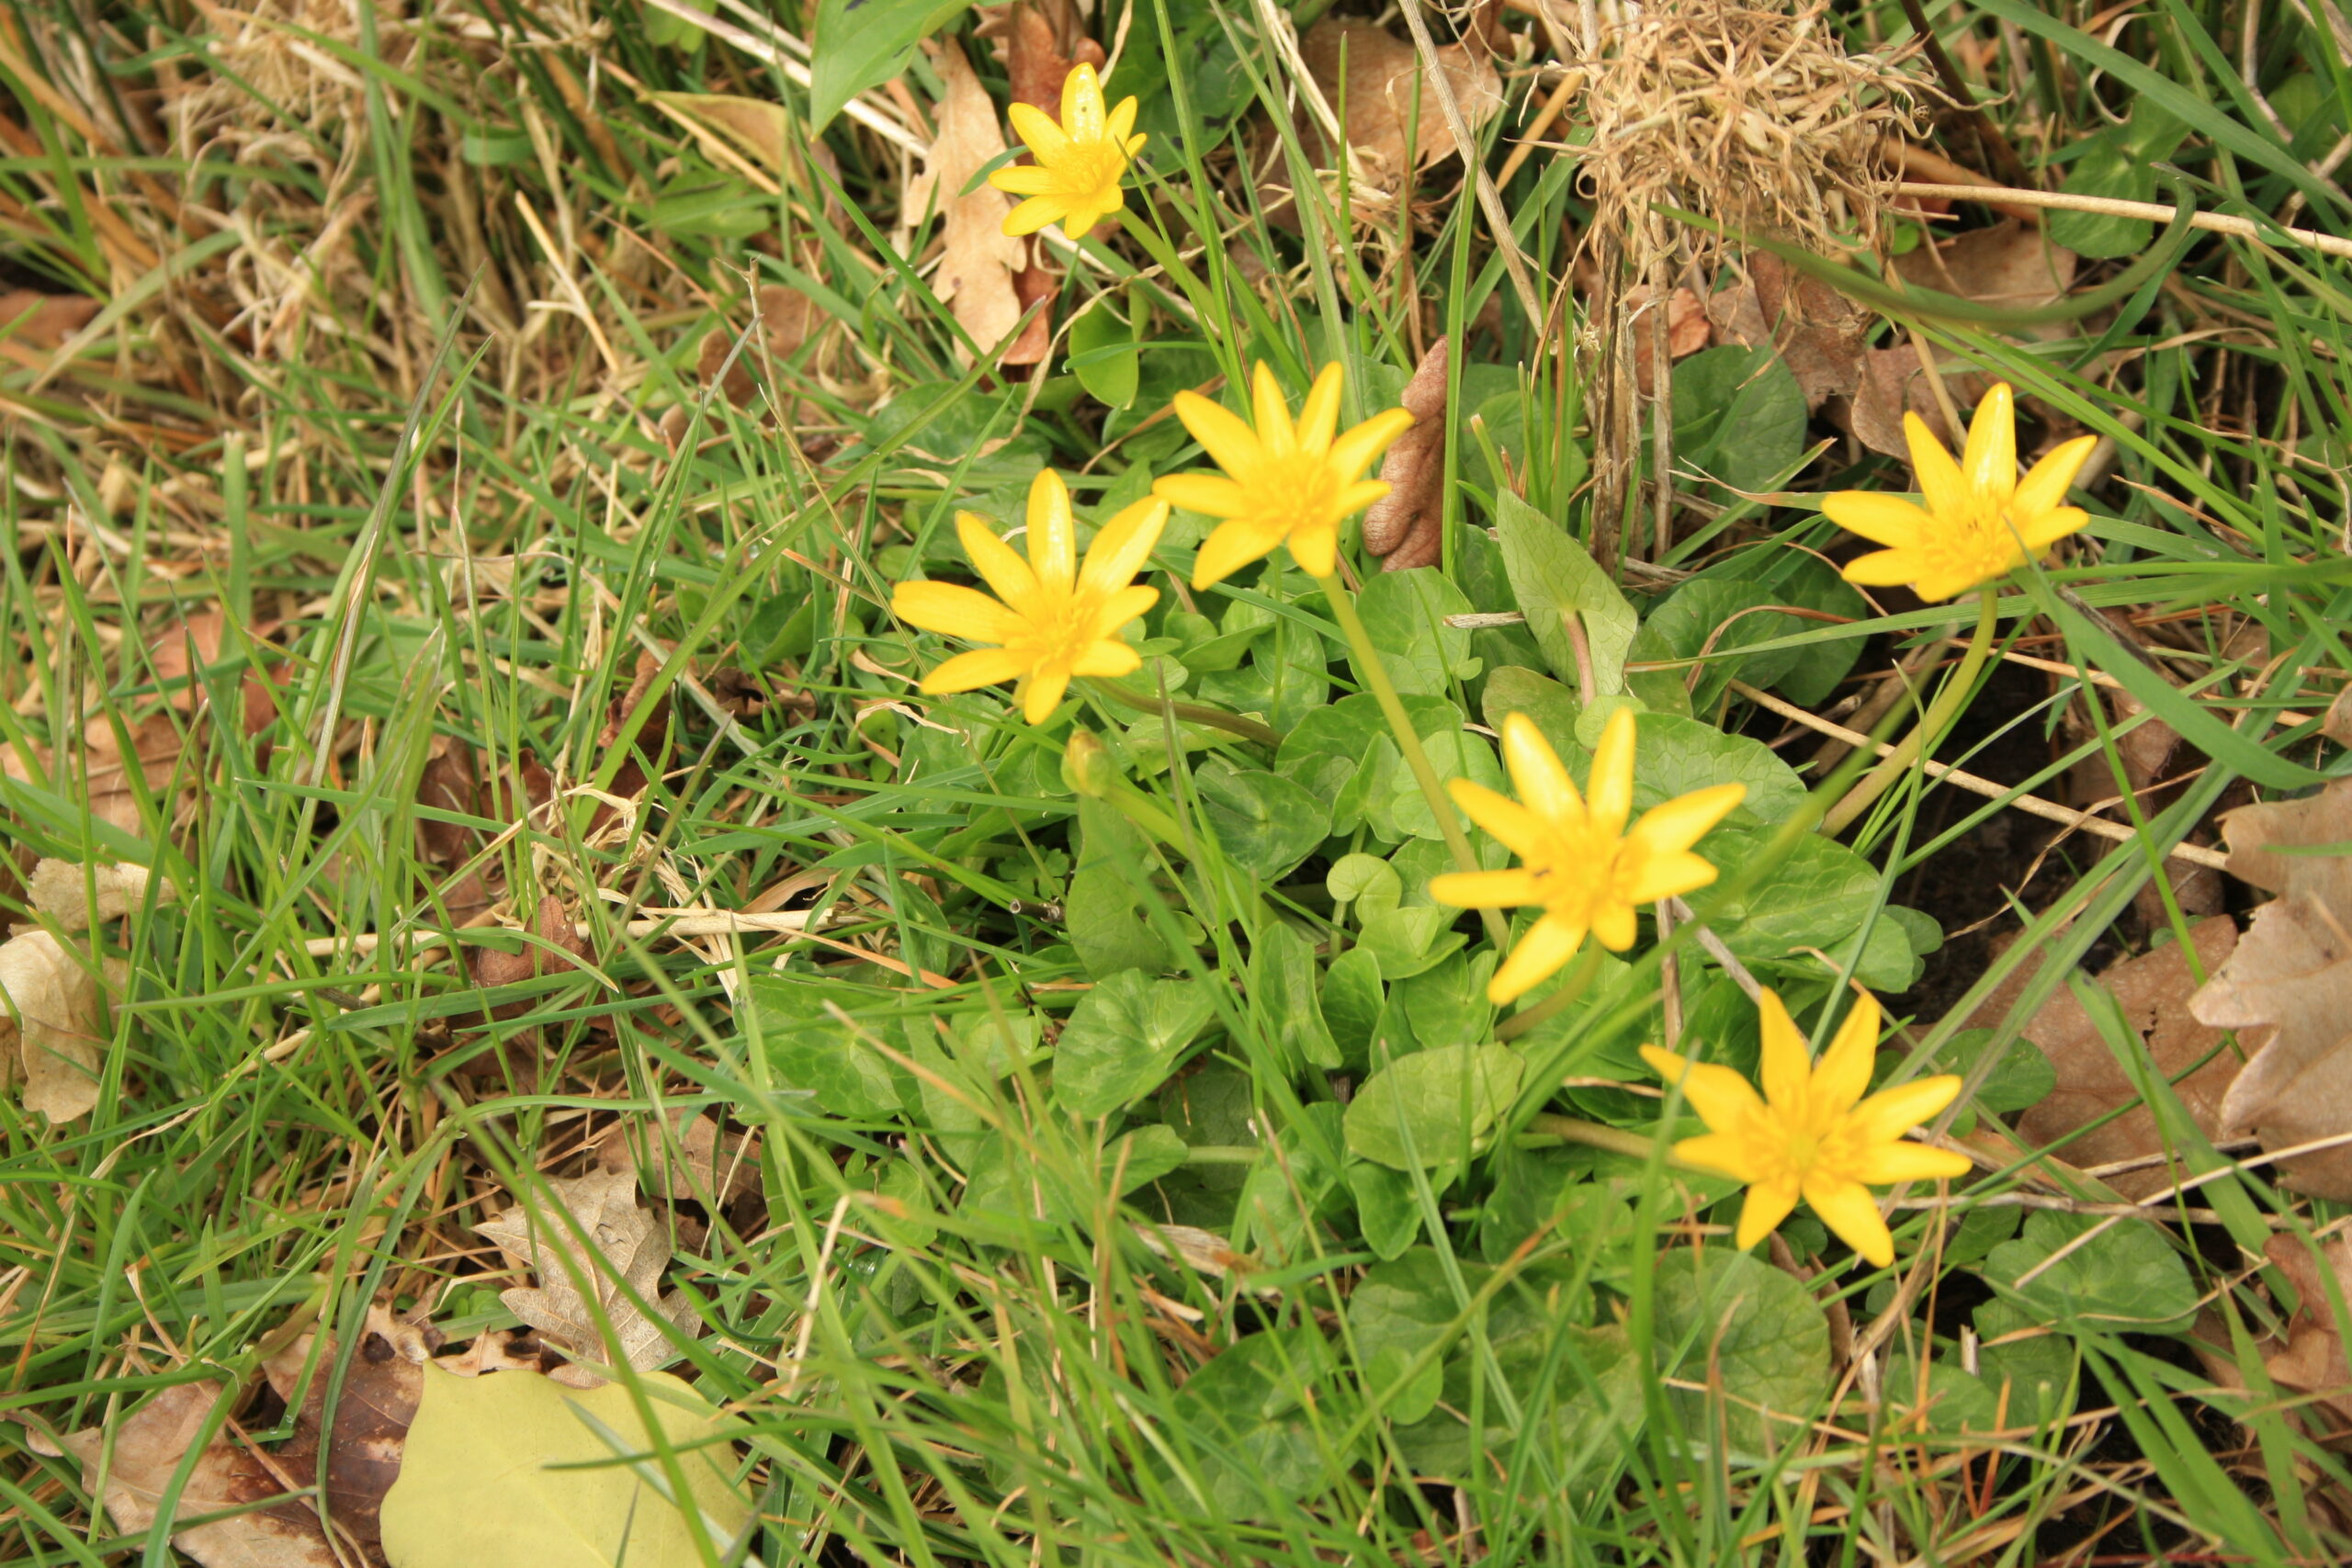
<point>1376,675</point>
<point>1191,713</point>
<point>1931,728</point>
<point>1579,979</point>
<point>1593,1134</point>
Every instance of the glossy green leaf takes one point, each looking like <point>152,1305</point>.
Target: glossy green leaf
<point>863,43</point>
<point>2125,1279</point>
<point>1433,1107</point>
<point>1102,353</point>
<point>1124,1038</point>
<point>1551,576</point>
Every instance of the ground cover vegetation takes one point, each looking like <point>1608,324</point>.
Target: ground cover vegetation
<point>1175,782</point>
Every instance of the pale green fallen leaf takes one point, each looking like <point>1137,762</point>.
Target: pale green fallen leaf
<point>481,1478</point>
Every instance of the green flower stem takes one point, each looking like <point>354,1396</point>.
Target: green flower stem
<point>1248,729</point>
<point>1376,675</point>
<point>1931,728</point>
<point>1594,1135</point>
<point>1579,979</point>
<point>1222,1154</point>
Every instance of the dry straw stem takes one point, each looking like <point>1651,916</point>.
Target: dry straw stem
<point>2113,207</point>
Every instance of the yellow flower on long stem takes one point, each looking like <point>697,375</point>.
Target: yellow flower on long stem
<point>1812,1136</point>
<point>1979,520</point>
<point>1051,618</point>
<point>1075,181</point>
<point>1283,483</point>
<point>1579,859</point>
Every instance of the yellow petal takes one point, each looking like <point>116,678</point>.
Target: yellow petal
<point>1124,545</point>
<point>1318,417</point>
<point>1315,546</point>
<point>2047,527</point>
<point>1485,889</point>
<point>1722,1098</point>
<point>1884,1164</point>
<point>1940,485</point>
<point>1890,1113</point>
<point>1549,943</point>
<point>1719,1152</point>
<point>1536,771</point>
<point>1612,788</point>
<point>1044,694</point>
<point>1036,127</point>
<point>1675,824</point>
<point>1232,546</point>
<point>1053,533</point>
<point>1120,127</point>
<point>1230,444</point>
<point>1669,877</point>
<point>1614,925</point>
<point>2046,484</point>
<point>1882,519</point>
<point>1351,454</point>
<point>1084,215</point>
<point>1106,657</point>
<point>955,611</point>
<point>1271,412</point>
<point>1082,105</point>
<point>1851,1214</point>
<point>999,566</point>
<point>981,667</point>
<point>1667,1064</point>
<point>1118,608</point>
<point>1990,464</point>
<point>1885,569</point>
<point>1208,494</point>
<point>1843,1072</point>
<point>1501,816</point>
<point>1026,179</point>
<point>1936,586</point>
<point>1035,214</point>
<point>1787,1069</point>
<point>1354,498</point>
<point>1768,1203</point>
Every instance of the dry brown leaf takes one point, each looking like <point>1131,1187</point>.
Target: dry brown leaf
<point>2291,976</point>
<point>758,128</point>
<point>1407,524</point>
<point>689,1162</point>
<point>74,895</point>
<point>1036,62</point>
<point>2010,266</point>
<point>2151,992</point>
<point>1821,333</point>
<point>1383,79</point>
<point>1686,326</point>
<point>52,1027</point>
<point>146,1451</point>
<point>2312,1361</point>
<point>976,269</point>
<point>372,1412</point>
<point>632,1250</point>
<point>1895,384</point>
<point>32,324</point>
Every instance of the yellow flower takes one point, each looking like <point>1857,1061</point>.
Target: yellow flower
<point>1578,859</point>
<point>1075,181</point>
<point>1056,618</point>
<point>1812,1135</point>
<point>1980,521</point>
<point>1282,481</point>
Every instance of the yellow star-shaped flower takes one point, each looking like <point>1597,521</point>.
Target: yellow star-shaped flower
<point>1283,483</point>
<point>1075,181</point>
<point>1051,618</point>
<point>1980,521</point>
<point>1579,859</point>
<point>1812,1135</point>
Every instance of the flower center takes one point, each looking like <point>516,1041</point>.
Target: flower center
<point>1983,542</point>
<point>1792,1142</point>
<point>1090,166</point>
<point>1583,871</point>
<point>1065,627</point>
<point>1295,492</point>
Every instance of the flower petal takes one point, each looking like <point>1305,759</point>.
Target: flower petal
<point>1123,545</point>
<point>1120,125</point>
<point>1230,442</point>
<point>955,611</point>
<point>1940,485</point>
<point>1118,608</point>
<point>1610,799</point>
<point>1890,1113</point>
<point>1843,1074</point>
<point>1486,889</point>
<point>1520,829</point>
<point>1232,546</point>
<point>1882,519</point>
<point>1270,412</point>
<point>1318,416</point>
<point>1675,824</point>
<point>1938,585</point>
<point>1043,692</point>
<point>1720,1152</point>
<point>1106,656</point>
<point>2047,527</point>
<point>1786,1070</point>
<point>1035,214</point>
<point>1885,569</point>
<point>1026,179</point>
<point>1036,127</point>
<point>1768,1203</point>
<point>981,667</point>
<point>1208,494</point>
<point>1614,925</point>
<point>1082,117</point>
<point>999,566</point>
<point>1990,464</point>
<point>1353,498</point>
<point>1851,1214</point>
<point>1315,546</point>
<point>1352,453</point>
<point>1669,877</point>
<point>2045,484</point>
<point>1722,1098</point>
<point>1537,772</point>
<point>1053,533</point>
<point>1887,1163</point>
<point>1549,943</point>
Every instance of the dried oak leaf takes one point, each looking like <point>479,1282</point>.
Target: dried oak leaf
<point>1822,335</point>
<point>494,966</point>
<point>2291,976</point>
<point>976,269</point>
<point>2150,991</point>
<point>1684,321</point>
<point>1384,77</point>
<point>631,1249</point>
<point>1407,524</point>
<point>76,896</point>
<point>52,1027</point>
<point>32,324</point>
<point>146,1449</point>
<point>372,1411</point>
<point>689,1160</point>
